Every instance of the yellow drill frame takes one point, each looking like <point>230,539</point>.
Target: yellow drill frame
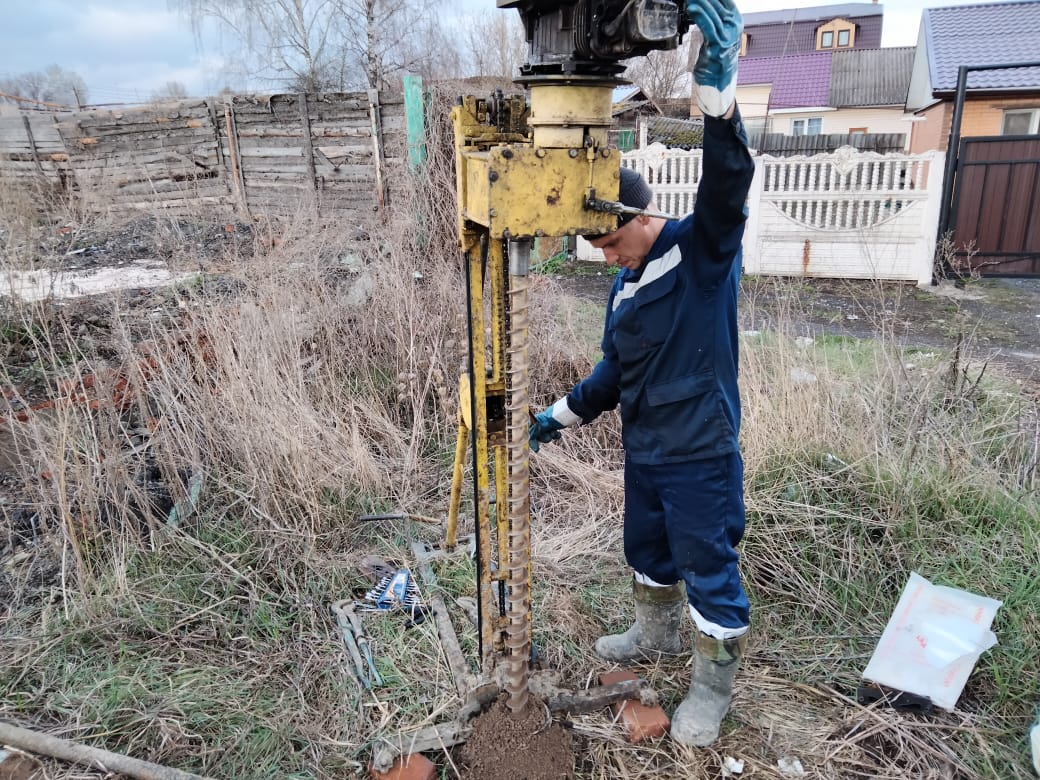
<point>515,185</point>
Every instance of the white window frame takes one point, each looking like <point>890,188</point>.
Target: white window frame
<point>803,125</point>
<point>1034,121</point>
<point>848,39</point>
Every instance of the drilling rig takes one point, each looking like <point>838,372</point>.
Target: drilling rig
<point>527,167</point>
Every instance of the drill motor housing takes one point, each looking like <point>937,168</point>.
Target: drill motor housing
<point>592,37</point>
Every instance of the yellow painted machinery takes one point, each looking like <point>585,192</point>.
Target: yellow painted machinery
<point>527,169</point>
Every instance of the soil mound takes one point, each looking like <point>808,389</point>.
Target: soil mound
<point>525,746</point>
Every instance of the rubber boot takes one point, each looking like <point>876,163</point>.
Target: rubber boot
<point>715,661</point>
<point>659,613</point>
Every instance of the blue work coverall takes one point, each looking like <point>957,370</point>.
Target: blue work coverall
<point>670,360</point>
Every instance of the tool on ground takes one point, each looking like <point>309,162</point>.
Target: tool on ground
<point>400,516</point>
<point>395,591</point>
<point>358,646</point>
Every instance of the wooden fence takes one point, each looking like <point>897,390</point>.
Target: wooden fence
<point>31,149</point>
<point>271,155</point>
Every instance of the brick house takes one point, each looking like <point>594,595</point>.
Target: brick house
<point>1004,102</point>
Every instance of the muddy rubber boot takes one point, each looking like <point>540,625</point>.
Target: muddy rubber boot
<point>659,613</point>
<point>715,661</point>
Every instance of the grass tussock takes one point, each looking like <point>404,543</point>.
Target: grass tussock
<point>178,520</point>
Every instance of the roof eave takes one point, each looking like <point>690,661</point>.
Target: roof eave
<point>872,105</point>
<point>949,94</point>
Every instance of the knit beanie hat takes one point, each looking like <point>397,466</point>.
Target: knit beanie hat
<point>633,192</point>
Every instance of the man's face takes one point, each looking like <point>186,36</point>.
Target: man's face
<point>628,245</point>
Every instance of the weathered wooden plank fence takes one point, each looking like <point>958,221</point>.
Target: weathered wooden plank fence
<point>271,155</point>
<point>31,148</point>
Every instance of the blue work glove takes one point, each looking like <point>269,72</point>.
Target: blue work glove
<point>546,425</point>
<point>715,72</point>
<point>544,429</point>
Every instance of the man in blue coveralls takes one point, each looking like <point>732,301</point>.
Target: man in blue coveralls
<point>670,360</point>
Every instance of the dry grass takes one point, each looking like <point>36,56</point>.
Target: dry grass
<point>300,403</point>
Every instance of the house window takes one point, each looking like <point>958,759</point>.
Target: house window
<point>1021,122</point>
<point>836,34</point>
<point>811,126</point>
<point>857,131</point>
<point>745,41</point>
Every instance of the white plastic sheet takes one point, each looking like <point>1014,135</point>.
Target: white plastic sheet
<point>1034,738</point>
<point>931,643</point>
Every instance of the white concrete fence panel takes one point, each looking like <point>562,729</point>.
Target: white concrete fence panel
<point>847,214</point>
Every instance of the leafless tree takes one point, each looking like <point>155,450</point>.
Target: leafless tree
<point>496,44</point>
<point>320,45</point>
<point>172,90</point>
<point>434,52</point>
<point>391,37</point>
<point>278,41</point>
<point>52,85</point>
<point>663,75</point>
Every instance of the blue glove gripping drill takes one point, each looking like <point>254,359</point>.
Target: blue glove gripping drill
<point>715,72</point>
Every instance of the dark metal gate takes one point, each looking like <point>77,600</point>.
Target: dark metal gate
<point>991,196</point>
<point>995,217</point>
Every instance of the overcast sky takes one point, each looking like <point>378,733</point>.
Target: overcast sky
<point>127,49</point>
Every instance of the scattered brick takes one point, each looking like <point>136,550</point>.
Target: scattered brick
<point>641,723</point>
<point>14,766</point>
<point>415,766</point>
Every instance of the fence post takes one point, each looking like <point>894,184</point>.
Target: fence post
<point>32,145</point>
<point>236,157</point>
<point>377,150</point>
<point>752,227</point>
<point>927,262</point>
<point>308,147</point>
<point>415,120</point>
<point>219,147</point>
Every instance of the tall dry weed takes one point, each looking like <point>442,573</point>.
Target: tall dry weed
<point>315,378</point>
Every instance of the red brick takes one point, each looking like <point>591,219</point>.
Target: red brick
<point>15,767</point>
<point>639,721</point>
<point>411,767</point>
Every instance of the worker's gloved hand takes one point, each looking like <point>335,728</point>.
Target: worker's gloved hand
<point>716,70</point>
<point>546,425</point>
<point>544,429</point>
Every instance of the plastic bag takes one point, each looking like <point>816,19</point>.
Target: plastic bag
<point>1034,739</point>
<point>932,641</point>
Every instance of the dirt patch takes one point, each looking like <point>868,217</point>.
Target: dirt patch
<point>72,246</point>
<point>996,321</point>
<point>527,746</point>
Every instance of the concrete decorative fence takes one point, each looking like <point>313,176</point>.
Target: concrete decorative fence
<point>673,175</point>
<point>848,214</point>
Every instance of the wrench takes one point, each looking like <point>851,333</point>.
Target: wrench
<point>353,633</point>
